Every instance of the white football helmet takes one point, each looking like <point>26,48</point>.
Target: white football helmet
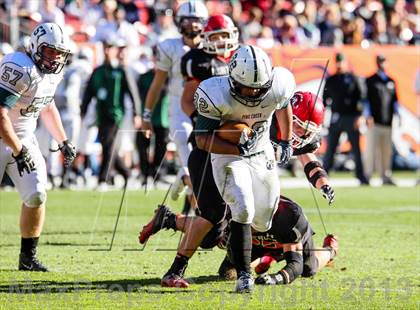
<point>250,67</point>
<point>49,35</point>
<point>189,11</point>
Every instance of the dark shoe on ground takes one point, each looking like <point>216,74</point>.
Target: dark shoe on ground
<point>30,263</point>
<point>388,181</point>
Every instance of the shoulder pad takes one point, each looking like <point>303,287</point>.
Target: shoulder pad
<point>196,64</point>
<point>206,101</point>
<point>283,86</point>
<point>15,71</point>
<point>165,51</point>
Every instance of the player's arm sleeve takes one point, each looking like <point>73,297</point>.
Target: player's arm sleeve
<point>293,268</point>
<point>209,115</point>
<point>191,68</point>
<point>288,84</point>
<point>133,91</point>
<point>164,60</point>
<point>14,81</point>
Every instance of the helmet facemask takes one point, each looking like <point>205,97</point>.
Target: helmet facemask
<point>190,27</point>
<point>222,47</point>
<point>236,90</point>
<point>50,65</point>
<point>303,132</point>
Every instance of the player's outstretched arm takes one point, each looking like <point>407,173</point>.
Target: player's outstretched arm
<point>317,176</point>
<point>7,133</point>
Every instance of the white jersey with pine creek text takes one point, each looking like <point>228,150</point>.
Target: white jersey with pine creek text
<point>20,76</point>
<point>170,52</point>
<point>214,100</point>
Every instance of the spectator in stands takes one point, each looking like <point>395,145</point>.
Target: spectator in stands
<point>106,25</point>
<point>265,39</point>
<point>114,24</point>
<point>377,29</point>
<point>252,29</point>
<point>163,27</point>
<point>382,103</point>
<point>289,32</point>
<point>307,20</point>
<point>331,33</point>
<point>342,92</point>
<point>51,13</point>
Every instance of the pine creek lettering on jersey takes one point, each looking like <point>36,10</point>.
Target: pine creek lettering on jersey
<point>251,116</point>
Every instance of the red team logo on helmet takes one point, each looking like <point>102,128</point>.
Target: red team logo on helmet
<point>308,116</point>
<point>220,45</point>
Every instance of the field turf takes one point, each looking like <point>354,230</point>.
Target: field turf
<point>378,265</point>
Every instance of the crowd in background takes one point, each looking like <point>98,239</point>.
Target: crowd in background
<point>133,28</point>
<point>268,22</point>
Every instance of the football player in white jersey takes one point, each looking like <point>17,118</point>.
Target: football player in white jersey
<point>190,18</point>
<point>245,174</point>
<point>27,85</point>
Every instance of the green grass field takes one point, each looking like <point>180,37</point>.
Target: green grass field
<point>378,264</point>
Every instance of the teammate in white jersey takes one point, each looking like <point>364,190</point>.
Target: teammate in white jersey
<point>27,85</point>
<point>189,19</point>
<point>245,174</point>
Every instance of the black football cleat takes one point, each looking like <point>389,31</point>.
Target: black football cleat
<point>30,263</point>
<point>161,219</point>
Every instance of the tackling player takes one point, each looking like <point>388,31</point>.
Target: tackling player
<point>27,86</point>
<point>190,18</point>
<point>289,239</point>
<point>308,116</point>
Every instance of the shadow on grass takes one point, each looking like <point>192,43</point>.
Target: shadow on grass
<point>148,285</point>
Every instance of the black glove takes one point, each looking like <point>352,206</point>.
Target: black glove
<point>24,161</point>
<point>328,193</point>
<point>270,279</point>
<point>247,142</point>
<point>286,152</point>
<point>68,151</point>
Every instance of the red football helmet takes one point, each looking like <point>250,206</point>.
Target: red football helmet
<point>220,24</point>
<point>308,116</point>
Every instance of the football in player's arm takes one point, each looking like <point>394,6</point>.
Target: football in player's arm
<point>27,85</point>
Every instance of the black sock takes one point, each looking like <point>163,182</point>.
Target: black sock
<point>179,265</point>
<point>28,246</point>
<point>241,245</point>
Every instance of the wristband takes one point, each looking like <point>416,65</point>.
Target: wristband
<point>147,115</point>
